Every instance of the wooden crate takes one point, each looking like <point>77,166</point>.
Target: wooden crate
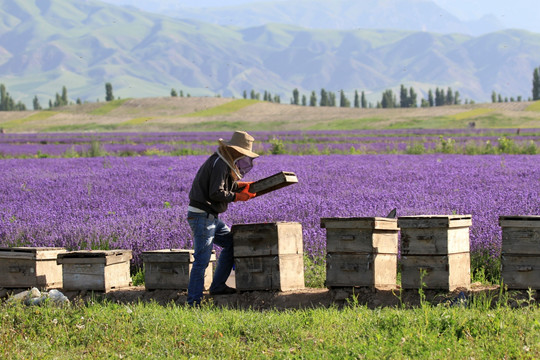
<point>26,267</point>
<point>268,256</point>
<point>520,234</point>
<point>99,270</point>
<point>434,234</point>
<point>274,182</point>
<point>280,272</point>
<point>520,271</point>
<point>361,235</point>
<point>267,239</point>
<point>444,272</point>
<point>361,269</point>
<point>170,269</point>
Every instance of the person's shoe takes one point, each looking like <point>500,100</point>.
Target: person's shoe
<point>226,290</point>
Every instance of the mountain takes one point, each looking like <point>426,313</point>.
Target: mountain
<point>415,15</point>
<point>46,44</point>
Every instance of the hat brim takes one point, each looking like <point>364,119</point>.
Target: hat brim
<point>241,150</point>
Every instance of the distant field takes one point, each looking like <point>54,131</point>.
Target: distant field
<point>221,114</point>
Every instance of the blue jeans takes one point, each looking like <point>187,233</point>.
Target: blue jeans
<point>207,231</point>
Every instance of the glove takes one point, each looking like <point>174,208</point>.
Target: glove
<point>244,195</point>
<point>241,184</point>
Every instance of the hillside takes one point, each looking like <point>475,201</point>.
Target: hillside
<point>46,44</point>
<point>216,114</point>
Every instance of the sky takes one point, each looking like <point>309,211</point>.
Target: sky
<point>521,14</point>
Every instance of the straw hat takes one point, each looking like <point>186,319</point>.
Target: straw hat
<point>242,142</point>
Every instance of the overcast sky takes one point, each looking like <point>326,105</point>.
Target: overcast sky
<point>523,14</point>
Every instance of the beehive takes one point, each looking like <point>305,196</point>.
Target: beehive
<point>26,267</point>
<point>435,251</point>
<point>98,270</point>
<point>520,260</point>
<point>361,251</point>
<point>268,256</point>
<point>170,269</point>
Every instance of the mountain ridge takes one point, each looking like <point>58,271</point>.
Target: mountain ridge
<point>86,44</point>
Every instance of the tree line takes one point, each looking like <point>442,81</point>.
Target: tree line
<point>407,97</point>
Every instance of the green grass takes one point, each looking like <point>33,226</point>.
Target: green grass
<point>81,127</point>
<point>348,124</point>
<point>136,121</point>
<point>472,114</point>
<point>534,106</point>
<point>108,107</point>
<point>225,109</point>
<point>148,330</point>
<point>40,116</point>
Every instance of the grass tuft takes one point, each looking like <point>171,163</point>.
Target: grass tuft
<point>225,109</point>
<point>534,106</point>
<point>108,107</point>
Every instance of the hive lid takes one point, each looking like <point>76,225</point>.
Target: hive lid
<point>31,252</point>
<point>359,222</point>
<point>107,257</point>
<point>274,182</point>
<point>171,255</point>
<point>430,221</point>
<point>520,221</point>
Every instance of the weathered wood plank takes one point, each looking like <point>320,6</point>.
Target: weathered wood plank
<point>282,272</point>
<point>361,241</point>
<point>267,239</point>
<point>520,272</point>
<point>373,223</point>
<point>274,182</point>
<point>366,270</point>
<point>436,241</point>
<point>434,221</point>
<point>441,272</point>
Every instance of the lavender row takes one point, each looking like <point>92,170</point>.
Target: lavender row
<point>139,203</point>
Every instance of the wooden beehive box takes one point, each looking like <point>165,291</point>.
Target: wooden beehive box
<point>520,260</point>
<point>170,269</point>
<point>434,234</point>
<point>445,272</point>
<point>274,182</point>
<point>438,247</point>
<point>98,270</point>
<point>26,267</point>
<point>361,252</point>
<point>268,256</point>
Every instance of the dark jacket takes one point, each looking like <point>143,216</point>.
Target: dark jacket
<point>213,187</point>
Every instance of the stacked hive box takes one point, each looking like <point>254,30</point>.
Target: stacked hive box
<point>268,256</point>
<point>25,267</point>
<point>520,259</point>
<point>438,247</point>
<point>99,270</point>
<point>361,252</point>
<point>170,269</point>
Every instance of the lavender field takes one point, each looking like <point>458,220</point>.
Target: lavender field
<point>397,141</point>
<point>140,203</point>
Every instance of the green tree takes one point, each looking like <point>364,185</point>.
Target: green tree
<point>304,100</point>
<point>388,100</point>
<point>331,98</point>
<point>313,99</point>
<point>356,99</point>
<point>431,100</point>
<point>403,97</point>
<point>296,97</point>
<point>363,100</point>
<point>449,97</point>
<point>174,93</point>
<point>252,95</point>
<point>536,84</point>
<point>499,98</point>
<point>181,93</point>
<point>244,94</point>
<point>457,100</point>
<point>324,98</point>
<point>343,101</point>
<point>4,98</point>
<point>35,103</point>
<point>64,96</point>
<point>413,98</point>
<point>493,96</point>
<point>108,92</point>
